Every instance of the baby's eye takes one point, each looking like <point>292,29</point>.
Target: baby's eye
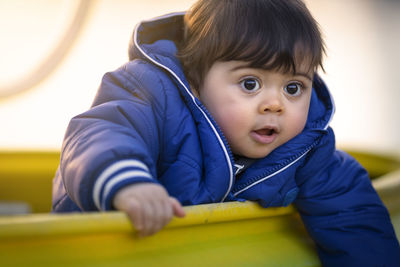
<point>250,84</point>
<point>293,89</point>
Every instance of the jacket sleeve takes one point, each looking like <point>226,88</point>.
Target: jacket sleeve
<point>116,142</point>
<point>343,213</point>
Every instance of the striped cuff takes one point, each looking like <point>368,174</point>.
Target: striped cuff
<point>114,177</point>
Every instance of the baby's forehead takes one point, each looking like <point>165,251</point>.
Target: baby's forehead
<point>303,67</point>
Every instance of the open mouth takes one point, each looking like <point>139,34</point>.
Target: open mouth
<point>266,131</point>
<point>265,135</point>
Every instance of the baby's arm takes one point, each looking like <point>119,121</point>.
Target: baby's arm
<point>117,141</point>
<point>344,215</point>
<point>148,206</point>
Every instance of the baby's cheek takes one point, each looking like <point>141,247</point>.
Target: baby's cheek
<point>294,123</point>
<point>231,125</point>
<point>299,123</point>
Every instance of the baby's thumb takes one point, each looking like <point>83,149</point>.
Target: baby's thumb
<point>177,207</point>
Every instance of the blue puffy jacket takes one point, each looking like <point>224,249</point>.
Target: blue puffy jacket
<point>145,125</point>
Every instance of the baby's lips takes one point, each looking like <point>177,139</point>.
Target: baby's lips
<point>266,131</point>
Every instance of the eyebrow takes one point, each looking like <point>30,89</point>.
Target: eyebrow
<point>242,66</point>
<point>305,75</point>
<point>245,66</point>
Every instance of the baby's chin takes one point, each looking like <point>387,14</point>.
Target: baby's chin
<point>252,154</point>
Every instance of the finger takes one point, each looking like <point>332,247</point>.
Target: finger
<point>162,210</point>
<point>177,207</point>
<point>167,212</point>
<point>134,212</point>
<point>154,219</point>
<point>159,215</point>
<point>163,214</point>
<point>148,219</point>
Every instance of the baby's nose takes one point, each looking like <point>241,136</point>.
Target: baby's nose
<point>276,108</point>
<point>272,104</point>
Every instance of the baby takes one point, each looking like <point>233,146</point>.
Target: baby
<point>224,103</point>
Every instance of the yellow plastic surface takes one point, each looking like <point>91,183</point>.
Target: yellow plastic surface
<point>228,234</point>
<point>26,177</point>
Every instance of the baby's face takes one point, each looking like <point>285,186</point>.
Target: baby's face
<point>257,110</point>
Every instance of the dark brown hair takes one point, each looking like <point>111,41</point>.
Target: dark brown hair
<point>269,34</point>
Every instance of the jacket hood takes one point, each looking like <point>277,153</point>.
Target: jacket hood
<point>147,32</point>
<point>156,40</point>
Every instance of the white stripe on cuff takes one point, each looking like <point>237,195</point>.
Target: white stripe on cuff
<point>120,177</point>
<point>113,168</point>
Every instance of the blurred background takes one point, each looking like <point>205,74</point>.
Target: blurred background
<point>53,55</point>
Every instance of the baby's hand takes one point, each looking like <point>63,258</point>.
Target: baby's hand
<point>148,206</point>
